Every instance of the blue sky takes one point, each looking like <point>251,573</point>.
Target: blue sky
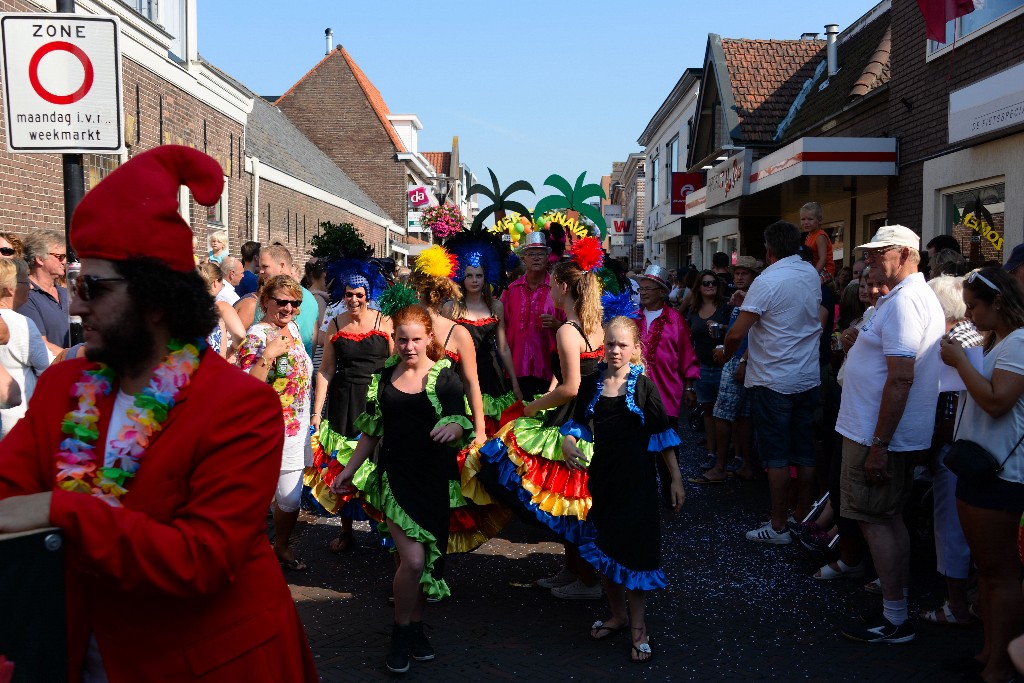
<point>531,88</point>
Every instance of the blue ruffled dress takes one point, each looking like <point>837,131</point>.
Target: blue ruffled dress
<point>621,536</point>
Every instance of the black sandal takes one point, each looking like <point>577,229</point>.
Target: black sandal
<point>293,565</point>
<point>609,630</point>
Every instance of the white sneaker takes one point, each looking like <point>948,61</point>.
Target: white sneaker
<point>767,534</point>
<point>562,578</point>
<point>577,590</point>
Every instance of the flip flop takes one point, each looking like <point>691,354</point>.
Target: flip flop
<point>609,631</point>
<point>294,565</point>
<point>827,573</point>
<point>644,649</point>
<point>945,617</point>
<point>701,479</point>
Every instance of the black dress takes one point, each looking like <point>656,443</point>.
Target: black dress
<point>622,539</point>
<point>489,369</point>
<point>356,358</point>
<point>410,486</point>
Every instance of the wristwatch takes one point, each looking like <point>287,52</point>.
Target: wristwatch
<point>875,441</point>
<point>742,361</point>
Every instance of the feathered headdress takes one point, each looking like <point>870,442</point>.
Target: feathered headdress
<point>435,261</point>
<point>614,305</point>
<point>354,273</point>
<point>479,249</point>
<point>587,253</point>
<point>396,297</point>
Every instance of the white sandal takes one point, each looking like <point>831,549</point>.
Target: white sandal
<point>827,573</point>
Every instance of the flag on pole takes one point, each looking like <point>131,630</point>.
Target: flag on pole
<point>937,13</point>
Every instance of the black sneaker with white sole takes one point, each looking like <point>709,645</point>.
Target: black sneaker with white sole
<point>880,631</point>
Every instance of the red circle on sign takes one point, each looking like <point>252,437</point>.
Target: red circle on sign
<point>33,72</point>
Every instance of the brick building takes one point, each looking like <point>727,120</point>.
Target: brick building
<point>294,187</point>
<point>784,122</point>
<point>337,107</point>
<point>955,109</point>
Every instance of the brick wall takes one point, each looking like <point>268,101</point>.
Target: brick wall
<point>919,95</point>
<point>331,109</point>
<point>293,219</point>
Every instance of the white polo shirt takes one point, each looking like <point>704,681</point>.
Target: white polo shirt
<point>908,322</point>
<point>782,347</point>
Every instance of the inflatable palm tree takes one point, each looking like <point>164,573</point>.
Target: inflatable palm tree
<point>500,202</point>
<point>573,200</point>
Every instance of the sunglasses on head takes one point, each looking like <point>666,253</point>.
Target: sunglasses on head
<point>8,251</point>
<point>975,275</point>
<point>285,302</point>
<point>90,287</point>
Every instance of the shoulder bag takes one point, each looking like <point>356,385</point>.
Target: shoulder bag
<point>971,461</point>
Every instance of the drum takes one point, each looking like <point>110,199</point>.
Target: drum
<point>33,636</point>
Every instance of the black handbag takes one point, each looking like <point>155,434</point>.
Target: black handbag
<point>971,461</point>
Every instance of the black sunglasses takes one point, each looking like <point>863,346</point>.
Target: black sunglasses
<point>90,287</point>
<point>285,302</point>
<point>8,251</point>
<point>709,283</point>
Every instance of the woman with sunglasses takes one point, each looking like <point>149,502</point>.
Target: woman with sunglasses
<point>10,245</point>
<point>24,355</point>
<point>357,343</point>
<point>708,316</point>
<point>273,352</point>
<point>991,413</point>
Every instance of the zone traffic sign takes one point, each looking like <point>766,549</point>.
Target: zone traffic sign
<point>62,83</point>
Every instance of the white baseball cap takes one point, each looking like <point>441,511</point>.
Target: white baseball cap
<point>893,236</point>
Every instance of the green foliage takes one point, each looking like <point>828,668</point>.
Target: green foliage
<point>341,240</point>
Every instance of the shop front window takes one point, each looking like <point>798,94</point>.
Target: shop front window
<point>974,217</point>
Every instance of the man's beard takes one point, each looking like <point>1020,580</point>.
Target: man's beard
<point>127,343</point>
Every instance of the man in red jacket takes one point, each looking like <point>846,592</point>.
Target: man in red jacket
<point>155,457</point>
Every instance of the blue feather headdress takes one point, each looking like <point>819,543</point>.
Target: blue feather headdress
<point>354,273</point>
<point>479,249</point>
<point>615,305</point>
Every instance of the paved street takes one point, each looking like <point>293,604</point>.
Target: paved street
<point>733,610</point>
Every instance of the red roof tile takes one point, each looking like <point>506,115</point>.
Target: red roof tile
<point>373,95</point>
<point>441,161</point>
<point>766,77</point>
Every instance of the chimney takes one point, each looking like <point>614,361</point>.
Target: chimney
<point>329,37</point>
<point>831,31</point>
<point>808,36</point>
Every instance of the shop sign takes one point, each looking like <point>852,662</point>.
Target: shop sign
<point>729,180</point>
<point>682,185</point>
<point>617,225</point>
<point>419,196</point>
<point>992,105</point>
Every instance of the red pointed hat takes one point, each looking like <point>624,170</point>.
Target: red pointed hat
<point>133,212</point>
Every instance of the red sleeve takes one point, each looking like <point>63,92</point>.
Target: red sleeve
<point>199,551</point>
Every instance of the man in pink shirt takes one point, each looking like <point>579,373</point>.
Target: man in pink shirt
<point>668,350</point>
<point>531,318</point>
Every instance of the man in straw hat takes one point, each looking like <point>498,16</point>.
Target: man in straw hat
<point>531,318</point>
<point>155,457</point>
<point>668,350</point>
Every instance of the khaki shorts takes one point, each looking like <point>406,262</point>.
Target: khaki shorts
<point>875,503</point>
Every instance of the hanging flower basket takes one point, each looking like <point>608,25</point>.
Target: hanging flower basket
<point>444,221</point>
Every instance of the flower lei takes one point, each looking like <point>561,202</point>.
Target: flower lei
<point>79,470</point>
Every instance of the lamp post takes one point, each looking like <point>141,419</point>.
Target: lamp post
<point>442,186</point>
